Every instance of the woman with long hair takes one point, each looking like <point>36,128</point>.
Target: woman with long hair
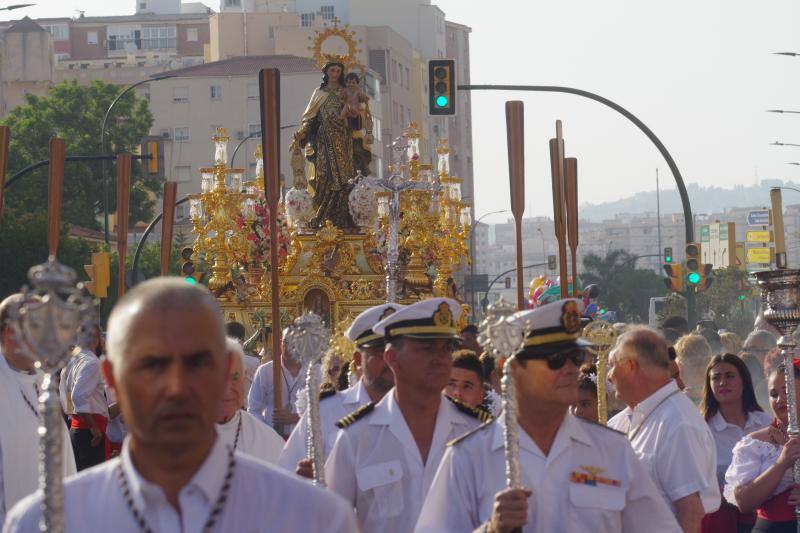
<point>728,404</point>
<point>760,475</point>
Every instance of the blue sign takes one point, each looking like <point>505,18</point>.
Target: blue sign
<point>759,218</point>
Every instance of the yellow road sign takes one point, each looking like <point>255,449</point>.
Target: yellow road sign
<point>758,236</point>
<point>759,255</point>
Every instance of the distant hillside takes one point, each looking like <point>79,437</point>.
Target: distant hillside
<point>703,200</point>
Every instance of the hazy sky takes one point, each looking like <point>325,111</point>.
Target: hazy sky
<point>700,74</point>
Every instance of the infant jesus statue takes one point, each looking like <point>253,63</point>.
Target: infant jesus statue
<point>353,97</point>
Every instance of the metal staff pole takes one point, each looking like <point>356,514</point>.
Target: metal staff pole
<point>45,327</point>
<point>308,339</point>
<point>603,336</point>
<point>503,338</point>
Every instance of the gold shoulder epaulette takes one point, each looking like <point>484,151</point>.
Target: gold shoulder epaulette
<point>327,393</point>
<point>358,414</point>
<point>478,413</point>
<point>469,433</point>
<point>598,424</point>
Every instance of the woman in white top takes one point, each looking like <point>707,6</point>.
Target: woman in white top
<point>760,475</point>
<point>729,406</point>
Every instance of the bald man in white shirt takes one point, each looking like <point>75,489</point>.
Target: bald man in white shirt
<point>168,367</point>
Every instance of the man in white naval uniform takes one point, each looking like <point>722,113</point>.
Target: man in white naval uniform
<point>376,380</point>
<point>19,403</point>
<point>168,366</point>
<point>576,475</point>
<point>386,455</point>
<point>236,427</point>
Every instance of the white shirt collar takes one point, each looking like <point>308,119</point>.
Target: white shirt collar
<point>208,478</point>
<point>232,422</point>
<point>718,422</point>
<point>570,429</point>
<point>355,394</point>
<point>646,406</point>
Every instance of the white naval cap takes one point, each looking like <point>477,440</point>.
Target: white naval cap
<point>360,331</point>
<point>431,318</point>
<point>551,328</point>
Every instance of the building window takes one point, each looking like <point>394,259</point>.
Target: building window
<point>306,20</point>
<point>60,32</point>
<point>254,130</point>
<point>142,5</point>
<point>180,94</point>
<point>191,35</point>
<point>158,38</point>
<point>183,173</point>
<point>271,32</point>
<point>91,37</point>
<point>233,3</point>
<point>216,92</point>
<point>326,12</point>
<point>183,135</point>
<point>395,112</point>
<point>252,91</point>
<point>408,76</point>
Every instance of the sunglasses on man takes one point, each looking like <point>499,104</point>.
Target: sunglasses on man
<point>557,360</point>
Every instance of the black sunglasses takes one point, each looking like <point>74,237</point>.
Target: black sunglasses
<point>556,361</point>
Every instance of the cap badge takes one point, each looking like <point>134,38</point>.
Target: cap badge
<point>570,317</point>
<point>443,316</point>
<point>388,311</point>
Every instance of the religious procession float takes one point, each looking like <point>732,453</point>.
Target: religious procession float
<point>346,239</point>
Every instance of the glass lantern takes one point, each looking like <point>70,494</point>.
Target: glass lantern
<point>195,209</point>
<point>207,180</point>
<point>235,179</point>
<point>383,207</point>
<point>455,192</point>
<point>466,218</point>
<point>444,164</point>
<point>221,150</point>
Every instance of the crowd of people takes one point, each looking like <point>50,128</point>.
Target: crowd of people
<point>171,426</point>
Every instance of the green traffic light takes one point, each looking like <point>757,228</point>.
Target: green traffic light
<point>741,297</point>
<point>441,101</point>
<point>190,280</point>
<point>668,259</point>
<point>693,278</point>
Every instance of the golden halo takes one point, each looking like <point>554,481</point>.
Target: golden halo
<point>349,60</point>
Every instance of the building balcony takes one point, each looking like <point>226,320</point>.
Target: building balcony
<point>124,46</point>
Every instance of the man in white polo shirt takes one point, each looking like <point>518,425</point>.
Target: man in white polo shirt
<point>664,427</point>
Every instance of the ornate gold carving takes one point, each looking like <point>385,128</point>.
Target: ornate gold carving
<point>349,59</point>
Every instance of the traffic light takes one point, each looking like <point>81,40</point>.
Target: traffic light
<point>442,86</point>
<point>706,277</point>
<point>99,275</point>
<point>508,283</point>
<point>675,280</point>
<point>668,254</point>
<point>551,262</point>
<point>693,265</point>
<point>152,151</point>
<point>187,266</point>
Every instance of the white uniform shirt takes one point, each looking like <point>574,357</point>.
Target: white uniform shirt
<point>260,497</point>
<point>675,445</point>
<point>256,439</point>
<point>251,364</point>
<point>19,436</point>
<point>331,410</point>
<point>473,472</point>
<point>376,466</point>
<point>726,435</point>
<point>259,400</point>
<point>82,389</point>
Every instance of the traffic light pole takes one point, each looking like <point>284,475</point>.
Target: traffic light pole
<point>676,174</point>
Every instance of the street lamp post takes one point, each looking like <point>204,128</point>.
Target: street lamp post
<point>544,251</point>
<point>472,258</point>
<point>103,146</point>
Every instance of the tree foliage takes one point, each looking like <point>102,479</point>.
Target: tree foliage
<point>23,241</point>
<point>75,113</point>
<point>623,288</point>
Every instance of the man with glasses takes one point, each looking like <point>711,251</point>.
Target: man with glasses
<point>664,427</point>
<point>386,454</point>
<point>576,475</point>
<point>376,380</point>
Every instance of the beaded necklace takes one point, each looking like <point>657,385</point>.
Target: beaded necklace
<point>212,517</point>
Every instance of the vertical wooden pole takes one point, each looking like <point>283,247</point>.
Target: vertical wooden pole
<point>55,187</point>
<point>123,204</point>
<point>269,84</point>
<point>515,136</point>
<point>167,224</point>
<point>4,136</point>
<point>559,206</point>
<point>571,190</point>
